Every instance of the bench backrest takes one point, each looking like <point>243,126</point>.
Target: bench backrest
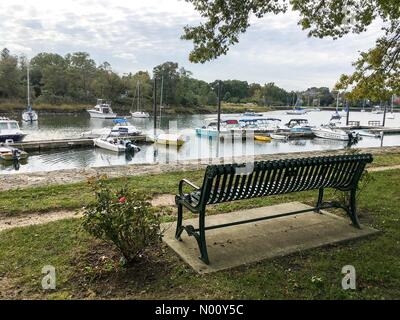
<point>230,182</point>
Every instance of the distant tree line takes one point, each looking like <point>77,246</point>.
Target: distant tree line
<point>76,78</point>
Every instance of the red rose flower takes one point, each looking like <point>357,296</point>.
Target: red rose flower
<point>122,200</point>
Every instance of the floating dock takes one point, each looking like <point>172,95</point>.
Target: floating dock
<point>385,130</point>
<point>46,145</point>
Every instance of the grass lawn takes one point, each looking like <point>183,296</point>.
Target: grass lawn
<point>74,196</point>
<point>87,268</point>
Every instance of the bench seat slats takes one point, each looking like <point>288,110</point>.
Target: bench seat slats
<point>232,182</point>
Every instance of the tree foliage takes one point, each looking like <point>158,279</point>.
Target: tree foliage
<point>76,78</point>
<point>377,70</point>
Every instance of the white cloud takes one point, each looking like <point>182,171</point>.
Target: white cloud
<point>137,35</point>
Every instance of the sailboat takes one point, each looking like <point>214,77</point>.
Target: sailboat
<point>336,116</point>
<point>391,114</point>
<point>138,113</point>
<point>168,139</point>
<point>29,115</point>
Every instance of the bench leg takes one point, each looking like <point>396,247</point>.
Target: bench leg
<point>353,209</point>
<point>179,227</point>
<point>319,202</point>
<point>201,240</point>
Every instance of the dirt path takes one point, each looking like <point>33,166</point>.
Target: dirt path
<point>377,169</point>
<point>35,218</point>
<point>31,219</point>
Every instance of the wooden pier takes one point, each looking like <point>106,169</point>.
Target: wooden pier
<point>46,145</point>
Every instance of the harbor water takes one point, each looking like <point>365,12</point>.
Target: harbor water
<point>60,126</point>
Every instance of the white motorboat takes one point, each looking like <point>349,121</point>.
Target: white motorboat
<point>298,125</point>
<point>251,113</point>
<point>29,115</point>
<point>297,111</point>
<point>330,132</point>
<point>138,113</point>
<point>377,110</point>
<point>260,124</point>
<point>115,144</point>
<point>390,116</point>
<point>210,129</point>
<point>10,131</point>
<point>123,128</point>
<point>277,136</point>
<point>102,110</point>
<point>170,139</point>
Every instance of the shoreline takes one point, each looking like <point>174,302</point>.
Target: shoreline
<point>69,176</point>
<point>17,108</point>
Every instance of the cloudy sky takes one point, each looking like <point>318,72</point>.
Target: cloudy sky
<point>136,35</point>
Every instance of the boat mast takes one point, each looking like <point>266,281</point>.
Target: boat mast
<point>161,96</point>
<point>337,103</point>
<point>28,86</point>
<point>392,103</point>
<point>138,95</point>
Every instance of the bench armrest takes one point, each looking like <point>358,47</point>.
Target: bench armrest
<point>185,181</point>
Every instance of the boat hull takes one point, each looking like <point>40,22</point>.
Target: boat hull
<point>109,146</point>
<point>279,136</point>
<point>170,142</point>
<point>140,115</point>
<point>333,135</point>
<point>7,154</point>
<point>207,132</point>
<point>29,116</point>
<point>262,138</point>
<point>99,115</point>
<point>170,139</point>
<point>13,137</point>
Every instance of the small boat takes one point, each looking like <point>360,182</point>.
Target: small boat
<point>138,113</point>
<point>210,129</point>
<point>9,130</point>
<point>297,111</point>
<point>29,115</point>
<point>377,110</point>
<point>390,116</point>
<point>262,138</point>
<point>170,139</point>
<point>123,128</point>
<point>298,125</point>
<point>102,110</point>
<point>115,144</point>
<point>260,124</point>
<point>252,114</point>
<point>330,132</point>
<point>10,154</point>
<point>336,116</point>
<point>344,111</point>
<point>277,136</point>
<point>363,133</point>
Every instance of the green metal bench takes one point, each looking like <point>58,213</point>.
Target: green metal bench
<point>230,182</point>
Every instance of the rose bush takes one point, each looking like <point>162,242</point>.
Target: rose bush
<point>122,217</point>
